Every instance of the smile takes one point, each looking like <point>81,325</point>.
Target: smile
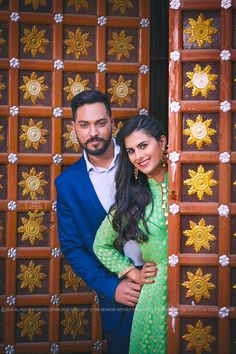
<point>144,163</point>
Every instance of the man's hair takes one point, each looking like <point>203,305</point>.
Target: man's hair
<point>89,97</point>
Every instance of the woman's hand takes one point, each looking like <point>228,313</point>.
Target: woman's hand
<point>142,276</point>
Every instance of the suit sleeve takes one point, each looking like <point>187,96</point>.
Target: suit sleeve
<point>105,251</point>
<point>83,263</point>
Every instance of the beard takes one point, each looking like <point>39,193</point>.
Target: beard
<point>96,151</point>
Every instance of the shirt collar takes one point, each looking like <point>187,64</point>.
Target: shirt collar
<point>91,167</point>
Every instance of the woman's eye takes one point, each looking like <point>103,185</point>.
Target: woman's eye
<point>143,146</point>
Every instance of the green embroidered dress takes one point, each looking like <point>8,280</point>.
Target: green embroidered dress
<point>149,327</point>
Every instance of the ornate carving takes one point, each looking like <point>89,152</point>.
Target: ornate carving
<point>31,276</point>
<point>34,41</point>
<point>2,86</point>
<point>71,279</point>
<point>199,235</point>
<point>121,5</point>
<point>1,135</point>
<point>120,45</point>
<point>32,183</point>
<point>121,90</point>
<point>33,134</point>
<point>71,138</point>
<point>78,4</point>
<point>117,128</point>
<point>77,43</point>
<point>32,228</point>
<point>74,322</point>
<point>201,81</point>
<point>76,86</point>
<point>199,337</point>
<point>36,3</point>
<point>2,40</point>
<point>31,324</point>
<point>33,87</point>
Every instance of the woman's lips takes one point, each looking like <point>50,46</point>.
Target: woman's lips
<point>143,163</point>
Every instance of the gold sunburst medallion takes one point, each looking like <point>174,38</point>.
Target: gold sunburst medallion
<point>74,322</point>
<point>32,228</point>
<point>31,276</point>
<point>33,134</point>
<point>71,138</point>
<point>199,235</point>
<point>234,183</point>
<point>201,81</point>
<point>36,3</point>
<point>120,45</point>
<point>34,41</point>
<point>31,324</point>
<point>199,132</point>
<point>121,5</point>
<point>116,129</point>
<point>198,285</point>
<point>121,90</point>
<point>2,40</point>
<point>77,43</point>
<point>199,338</point>
<point>76,86</point>
<point>1,135</point>
<point>78,4</point>
<point>33,87</point>
<point>71,279</point>
<point>1,187</point>
<point>32,183</point>
<point>200,182</point>
<point>2,86</point>
<point>200,31</point>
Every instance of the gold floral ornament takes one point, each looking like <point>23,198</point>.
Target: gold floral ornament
<point>32,183</point>
<point>31,276</point>
<point>1,187</point>
<point>200,182</point>
<point>32,228</point>
<point>121,5</point>
<point>36,3</point>
<point>199,235</point>
<point>71,138</point>
<point>71,279</point>
<point>74,322</point>
<point>2,86</point>
<point>116,129</point>
<point>120,45</point>
<point>200,31</point>
<point>77,43</point>
<point>1,233</point>
<point>234,287</point>
<point>201,81</point>
<point>33,134</point>
<point>199,337</point>
<point>33,87</point>
<point>2,40</point>
<point>1,135</point>
<point>76,86</point>
<point>31,324</point>
<point>198,285</point>
<point>121,90</point>
<point>34,41</point>
<point>78,4</point>
<point>199,132</point>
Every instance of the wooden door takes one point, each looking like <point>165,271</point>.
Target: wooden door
<point>202,144</point>
<point>49,51</point>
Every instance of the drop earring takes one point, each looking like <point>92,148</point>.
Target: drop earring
<point>164,155</point>
<point>135,173</point>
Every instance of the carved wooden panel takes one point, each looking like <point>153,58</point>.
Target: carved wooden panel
<point>202,222</point>
<point>50,51</point>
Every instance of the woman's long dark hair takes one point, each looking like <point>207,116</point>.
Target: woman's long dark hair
<point>132,195</point>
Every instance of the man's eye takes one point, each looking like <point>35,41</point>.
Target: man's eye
<point>83,125</point>
<point>101,124</point>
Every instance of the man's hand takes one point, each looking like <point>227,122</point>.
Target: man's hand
<point>127,293</point>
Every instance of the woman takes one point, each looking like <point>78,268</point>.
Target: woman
<point>135,231</point>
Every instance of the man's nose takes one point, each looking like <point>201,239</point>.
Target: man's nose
<point>93,130</point>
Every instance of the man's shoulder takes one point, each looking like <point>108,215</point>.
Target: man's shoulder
<point>73,170</point>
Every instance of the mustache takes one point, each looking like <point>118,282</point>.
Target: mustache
<point>91,140</point>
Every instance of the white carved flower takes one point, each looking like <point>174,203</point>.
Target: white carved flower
<point>54,348</point>
<point>175,4</point>
<point>15,16</point>
<point>12,253</point>
<point>224,157</point>
<point>54,206</point>
<point>14,110</point>
<point>225,55</point>
<point>11,205</point>
<point>173,260</point>
<point>174,106</point>
<point>58,18</point>
<point>174,156</point>
<point>57,159</point>
<point>175,55</point>
<point>12,158</point>
<point>56,252</point>
<point>144,69</point>
<point>57,112</point>
<point>11,300</point>
<point>102,21</point>
<point>223,312</point>
<point>226,4</point>
<point>101,67</point>
<point>58,64</point>
<point>9,349</point>
<point>143,112</point>
<point>174,209</point>
<point>55,300</point>
<point>173,312</point>
<point>97,346</point>
<point>225,106</point>
<point>144,22</point>
<point>14,63</point>
<point>223,210</point>
<point>224,260</point>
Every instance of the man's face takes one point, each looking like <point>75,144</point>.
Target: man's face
<point>93,127</point>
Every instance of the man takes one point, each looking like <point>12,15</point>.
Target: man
<point>85,192</point>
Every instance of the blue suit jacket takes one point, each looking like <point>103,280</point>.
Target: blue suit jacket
<point>79,214</point>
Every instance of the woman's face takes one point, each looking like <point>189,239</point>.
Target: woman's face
<point>144,152</point>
